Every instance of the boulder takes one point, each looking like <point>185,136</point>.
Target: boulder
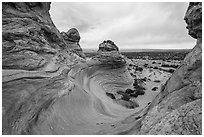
<point>71,35</point>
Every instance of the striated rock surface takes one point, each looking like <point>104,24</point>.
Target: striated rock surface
<point>108,53</point>
<point>72,39</point>
<point>178,108</point>
<point>111,60</point>
<point>34,62</point>
<point>193,19</point>
<point>46,89</point>
<point>29,37</point>
<point>108,45</point>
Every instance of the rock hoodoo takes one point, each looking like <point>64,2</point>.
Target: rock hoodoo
<point>49,90</point>
<point>72,39</point>
<point>107,46</point>
<point>108,53</point>
<point>111,59</point>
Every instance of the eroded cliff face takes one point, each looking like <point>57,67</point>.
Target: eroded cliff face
<point>35,64</point>
<point>72,39</point>
<point>178,108</point>
<point>29,37</point>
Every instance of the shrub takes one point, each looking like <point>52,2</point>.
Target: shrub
<point>110,95</point>
<point>145,65</point>
<point>144,79</point>
<point>137,93</point>
<point>125,97</point>
<point>138,68</point>
<point>157,81</point>
<point>129,91</point>
<point>171,70</point>
<point>154,88</point>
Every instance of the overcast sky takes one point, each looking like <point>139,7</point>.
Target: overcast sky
<point>129,25</point>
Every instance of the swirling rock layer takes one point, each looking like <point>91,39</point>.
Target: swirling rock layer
<point>29,36</point>
<point>47,90</point>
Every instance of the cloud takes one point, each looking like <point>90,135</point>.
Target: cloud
<point>129,25</point>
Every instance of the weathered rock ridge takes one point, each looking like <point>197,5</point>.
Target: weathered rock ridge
<point>29,37</point>
<point>34,58</point>
<point>178,108</point>
<point>72,39</point>
<point>48,89</point>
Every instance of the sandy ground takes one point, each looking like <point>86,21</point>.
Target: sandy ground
<point>154,77</point>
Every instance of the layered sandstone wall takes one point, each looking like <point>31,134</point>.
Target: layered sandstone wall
<point>35,65</point>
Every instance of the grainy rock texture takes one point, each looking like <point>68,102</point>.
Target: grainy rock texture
<point>178,108</point>
<point>108,45</point>
<point>72,39</point>
<point>29,37</point>
<point>34,64</point>
<point>110,58</point>
<point>193,19</point>
<point>108,53</point>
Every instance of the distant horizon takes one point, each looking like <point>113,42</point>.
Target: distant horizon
<point>142,49</point>
<point>136,50</point>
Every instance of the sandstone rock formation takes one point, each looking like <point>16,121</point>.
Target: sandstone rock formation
<point>107,46</point>
<point>111,59</point>
<point>108,53</point>
<point>29,37</point>
<point>33,58</point>
<point>178,108</point>
<point>72,39</point>
<point>47,89</point>
<point>193,19</point>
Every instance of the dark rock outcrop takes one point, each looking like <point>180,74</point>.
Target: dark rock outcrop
<point>178,108</point>
<point>72,39</point>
